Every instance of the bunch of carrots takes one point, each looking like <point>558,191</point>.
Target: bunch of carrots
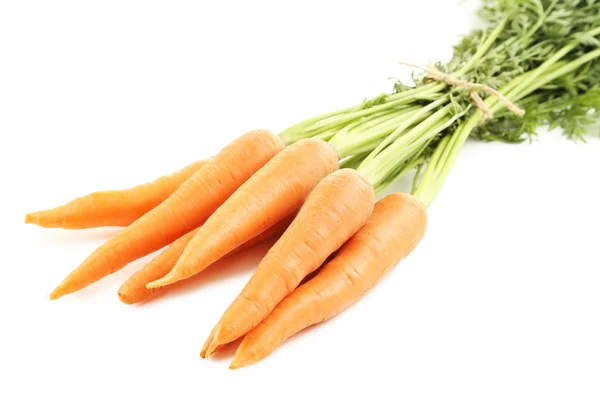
<point>315,184</point>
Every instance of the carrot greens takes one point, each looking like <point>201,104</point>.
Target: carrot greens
<point>537,56</point>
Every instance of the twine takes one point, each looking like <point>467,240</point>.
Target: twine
<point>439,76</point>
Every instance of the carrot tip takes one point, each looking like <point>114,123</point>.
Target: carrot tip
<point>216,340</point>
<point>205,346</point>
<point>212,347</point>
<point>160,282</point>
<point>124,298</point>
<point>240,360</point>
<point>207,354</point>
<point>55,295</point>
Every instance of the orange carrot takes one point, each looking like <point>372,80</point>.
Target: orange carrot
<point>398,223</point>
<point>113,207</point>
<point>274,192</point>
<point>187,208</point>
<point>134,290</point>
<point>337,208</point>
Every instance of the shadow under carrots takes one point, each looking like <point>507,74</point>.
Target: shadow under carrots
<point>235,265</point>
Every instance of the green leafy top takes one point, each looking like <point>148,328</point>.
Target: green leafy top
<point>541,54</point>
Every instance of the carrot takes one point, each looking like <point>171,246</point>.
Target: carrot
<point>187,208</point>
<point>275,191</point>
<point>337,208</point>
<point>134,290</point>
<point>397,225</point>
<point>113,207</point>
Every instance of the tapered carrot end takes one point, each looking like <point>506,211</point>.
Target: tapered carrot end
<point>205,346</point>
<point>57,293</point>
<point>35,218</point>
<point>220,336</point>
<point>164,281</point>
<point>126,298</point>
<point>42,219</point>
<point>211,349</point>
<point>242,359</point>
<point>212,344</point>
<point>65,287</point>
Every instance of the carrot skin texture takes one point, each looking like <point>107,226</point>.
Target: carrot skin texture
<point>397,225</point>
<point>113,207</point>
<point>187,208</point>
<point>274,192</point>
<point>336,209</point>
<point>134,290</point>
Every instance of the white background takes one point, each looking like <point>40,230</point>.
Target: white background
<point>500,300</point>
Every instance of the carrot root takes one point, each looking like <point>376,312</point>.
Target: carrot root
<point>205,346</point>
<point>275,191</point>
<point>134,289</point>
<point>397,225</point>
<point>336,209</point>
<point>113,207</point>
<point>216,342</point>
<point>187,208</point>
